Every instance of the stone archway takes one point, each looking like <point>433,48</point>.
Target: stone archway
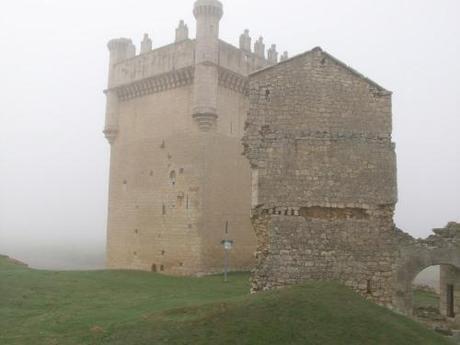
<point>442,248</point>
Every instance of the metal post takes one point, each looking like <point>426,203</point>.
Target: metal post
<point>227,247</point>
<point>225,265</point>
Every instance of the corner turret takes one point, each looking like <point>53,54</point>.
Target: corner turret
<point>146,44</point>
<point>259,48</point>
<point>120,49</point>
<point>208,14</point>
<point>245,41</point>
<point>273,55</point>
<point>285,56</point>
<point>181,32</point>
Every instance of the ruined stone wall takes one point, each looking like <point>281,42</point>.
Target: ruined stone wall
<point>450,275</point>
<point>414,255</point>
<point>324,171</point>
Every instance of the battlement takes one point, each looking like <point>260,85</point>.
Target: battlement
<point>180,55</point>
<point>172,57</point>
<point>239,60</point>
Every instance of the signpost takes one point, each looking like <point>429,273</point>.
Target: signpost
<point>228,244</point>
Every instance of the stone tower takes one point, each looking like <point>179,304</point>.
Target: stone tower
<point>175,117</point>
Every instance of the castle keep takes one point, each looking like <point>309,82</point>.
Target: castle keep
<point>175,117</point>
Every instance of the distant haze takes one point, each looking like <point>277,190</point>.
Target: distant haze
<point>54,159</point>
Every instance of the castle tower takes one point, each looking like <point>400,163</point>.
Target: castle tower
<point>175,119</point>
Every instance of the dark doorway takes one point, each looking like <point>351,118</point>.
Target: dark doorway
<point>450,300</point>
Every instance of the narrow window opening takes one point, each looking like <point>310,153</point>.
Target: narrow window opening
<point>136,231</point>
<point>162,252</point>
<point>154,268</point>
<point>181,264</point>
<point>162,268</point>
<point>267,95</point>
<point>181,170</point>
<point>450,300</point>
<point>180,199</point>
<point>163,209</point>
<point>172,177</point>
<point>368,287</point>
<point>186,203</point>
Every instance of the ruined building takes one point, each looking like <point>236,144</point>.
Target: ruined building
<point>324,190</point>
<point>175,117</point>
<point>324,171</point>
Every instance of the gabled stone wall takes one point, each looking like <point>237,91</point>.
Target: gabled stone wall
<point>318,140</point>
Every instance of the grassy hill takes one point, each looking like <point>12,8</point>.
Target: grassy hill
<point>133,308</point>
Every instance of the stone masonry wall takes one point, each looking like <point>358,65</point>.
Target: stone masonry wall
<point>318,139</point>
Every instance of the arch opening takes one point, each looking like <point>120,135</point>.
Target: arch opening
<point>426,295</point>
<point>429,291</point>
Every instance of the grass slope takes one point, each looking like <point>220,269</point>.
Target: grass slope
<point>134,308</point>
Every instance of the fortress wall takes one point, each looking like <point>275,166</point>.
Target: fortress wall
<point>162,60</point>
<point>357,252</point>
<point>313,93</point>
<point>232,108</point>
<point>227,198</point>
<point>155,186</point>
<point>324,170</point>
<point>342,173</point>
<point>156,115</point>
<point>158,136</point>
<point>227,187</point>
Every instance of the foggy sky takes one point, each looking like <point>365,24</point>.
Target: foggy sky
<point>54,63</point>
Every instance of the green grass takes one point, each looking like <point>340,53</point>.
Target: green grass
<point>425,299</point>
<point>134,308</point>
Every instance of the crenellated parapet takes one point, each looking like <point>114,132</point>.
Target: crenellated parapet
<point>205,62</point>
<point>272,55</point>
<point>238,60</point>
<point>181,32</point>
<point>259,48</point>
<point>146,44</point>
<point>208,8</point>
<point>285,56</point>
<point>245,41</point>
<point>155,62</point>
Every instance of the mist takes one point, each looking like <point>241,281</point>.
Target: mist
<point>54,158</point>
